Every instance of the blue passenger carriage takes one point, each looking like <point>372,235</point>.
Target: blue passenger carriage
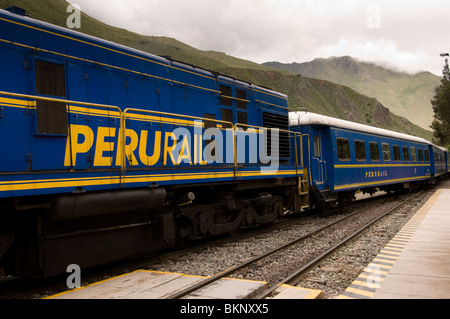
<point>111,152</point>
<point>345,157</point>
<point>447,161</point>
<point>439,159</point>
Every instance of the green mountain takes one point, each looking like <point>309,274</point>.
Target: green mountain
<point>305,93</point>
<point>404,94</point>
<point>327,98</point>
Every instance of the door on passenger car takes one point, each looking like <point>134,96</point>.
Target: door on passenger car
<point>318,163</point>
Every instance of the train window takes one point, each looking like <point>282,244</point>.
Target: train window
<point>420,155</point>
<point>374,151</point>
<point>241,96</point>
<point>436,157</point>
<point>386,152</point>
<point>317,151</point>
<point>343,149</point>
<point>360,150</point>
<point>405,154</point>
<point>396,153</point>
<point>50,80</point>
<point>226,96</point>
<point>427,155</point>
<point>413,154</point>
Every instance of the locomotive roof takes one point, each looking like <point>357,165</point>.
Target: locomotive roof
<point>307,118</point>
<point>12,16</point>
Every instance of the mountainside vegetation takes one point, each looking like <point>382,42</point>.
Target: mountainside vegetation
<point>407,95</point>
<point>441,103</point>
<point>314,95</point>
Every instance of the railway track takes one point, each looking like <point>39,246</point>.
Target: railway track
<point>238,269</point>
<point>293,277</point>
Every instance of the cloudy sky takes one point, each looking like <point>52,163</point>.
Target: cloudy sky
<point>407,35</point>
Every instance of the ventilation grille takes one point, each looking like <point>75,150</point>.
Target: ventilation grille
<point>50,80</point>
<point>51,118</point>
<point>281,122</point>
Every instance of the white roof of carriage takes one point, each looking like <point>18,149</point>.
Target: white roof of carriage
<point>308,118</point>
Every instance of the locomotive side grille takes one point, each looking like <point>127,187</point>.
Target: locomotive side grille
<point>281,122</point>
<point>51,118</point>
<point>50,80</point>
<point>225,95</point>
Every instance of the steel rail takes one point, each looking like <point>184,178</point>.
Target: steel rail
<point>293,278</point>
<point>233,269</point>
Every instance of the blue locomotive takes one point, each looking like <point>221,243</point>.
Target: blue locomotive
<point>107,152</point>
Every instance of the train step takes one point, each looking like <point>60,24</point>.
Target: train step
<point>325,195</point>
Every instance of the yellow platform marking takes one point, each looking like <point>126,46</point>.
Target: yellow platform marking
<point>392,250</point>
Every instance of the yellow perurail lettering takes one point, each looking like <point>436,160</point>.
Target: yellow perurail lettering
<point>74,147</point>
<point>198,147</point>
<point>129,148</point>
<point>149,160</point>
<point>185,148</point>
<point>102,146</point>
<point>169,149</point>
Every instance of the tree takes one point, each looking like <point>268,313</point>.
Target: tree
<point>441,108</point>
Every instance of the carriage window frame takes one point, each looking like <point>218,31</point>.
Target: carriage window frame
<point>436,157</point>
<point>427,155</point>
<point>317,146</point>
<point>396,151</point>
<point>343,149</point>
<point>405,152</point>
<point>386,149</point>
<point>360,151</point>
<point>420,151</point>
<point>413,154</point>
<point>374,151</point>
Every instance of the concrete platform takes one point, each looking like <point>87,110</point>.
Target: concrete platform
<point>143,284</point>
<point>293,292</point>
<point>415,263</point>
